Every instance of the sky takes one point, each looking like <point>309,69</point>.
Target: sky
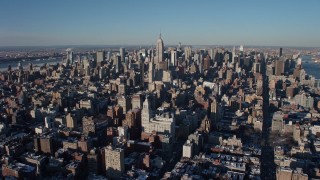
<point>139,22</point>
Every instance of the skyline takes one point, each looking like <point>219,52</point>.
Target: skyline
<point>272,23</point>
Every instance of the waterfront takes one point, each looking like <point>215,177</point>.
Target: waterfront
<point>40,62</point>
<point>310,66</point>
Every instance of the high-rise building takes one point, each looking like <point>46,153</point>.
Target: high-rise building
<point>214,111</point>
<point>187,150</point>
<point>122,54</point>
<point>187,53</point>
<point>241,48</point>
<point>279,67</point>
<point>280,53</point>
<point>114,160</point>
<point>162,124</point>
<point>141,63</point>
<point>173,58</point>
<point>151,72</point>
<point>159,50</point>
<point>233,54</point>
<point>206,63</point>
<point>118,63</point>
<point>146,114</point>
<point>100,56</point>
<point>69,56</point>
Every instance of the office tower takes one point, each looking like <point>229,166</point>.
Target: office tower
<point>141,63</point>
<point>280,54</point>
<point>214,111</point>
<point>187,53</point>
<point>69,56</point>
<point>163,124</point>
<point>118,64</point>
<point>159,50</point>
<point>174,58</point>
<point>206,63</point>
<point>241,49</point>
<point>200,62</point>
<point>114,160</point>
<point>109,55</point>
<point>100,56</point>
<point>256,67</point>
<point>151,72</point>
<point>122,54</point>
<point>233,54</point>
<point>146,114</point>
<point>102,73</point>
<point>136,101</point>
<point>259,87</point>
<point>279,67</point>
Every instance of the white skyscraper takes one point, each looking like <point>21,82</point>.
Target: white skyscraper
<point>164,124</point>
<point>146,114</point>
<point>173,58</point>
<point>241,48</point>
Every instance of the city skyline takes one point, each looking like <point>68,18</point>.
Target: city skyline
<point>272,23</point>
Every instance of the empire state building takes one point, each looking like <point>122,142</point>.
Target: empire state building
<point>159,49</point>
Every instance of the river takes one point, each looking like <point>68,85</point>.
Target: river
<point>310,66</point>
<point>39,62</point>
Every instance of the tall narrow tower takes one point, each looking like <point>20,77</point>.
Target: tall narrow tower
<point>151,72</point>
<point>233,54</point>
<point>159,49</point>
<point>122,54</point>
<point>146,114</point>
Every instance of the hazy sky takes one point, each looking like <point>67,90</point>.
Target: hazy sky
<point>131,22</point>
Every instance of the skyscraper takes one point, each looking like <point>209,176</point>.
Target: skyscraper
<point>151,72</point>
<point>146,114</point>
<point>173,58</point>
<point>159,50</point>
<point>122,54</point>
<point>280,53</point>
<point>69,56</point>
<point>233,54</point>
<point>187,53</point>
<point>279,67</point>
<point>162,124</point>
<point>100,56</point>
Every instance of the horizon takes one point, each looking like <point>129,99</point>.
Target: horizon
<point>289,23</point>
<point>153,45</point>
